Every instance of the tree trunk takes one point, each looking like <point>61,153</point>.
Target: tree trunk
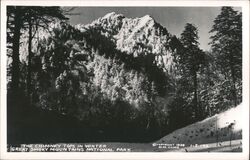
<point>233,76</point>
<point>15,54</point>
<point>233,85</point>
<point>148,123</point>
<point>29,62</point>
<point>195,96</point>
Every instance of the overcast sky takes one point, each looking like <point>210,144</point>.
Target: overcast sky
<point>173,18</point>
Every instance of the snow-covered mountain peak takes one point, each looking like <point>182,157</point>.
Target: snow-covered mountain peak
<point>111,23</point>
<point>146,21</point>
<point>109,15</point>
<point>112,15</point>
<point>137,36</point>
<point>146,18</point>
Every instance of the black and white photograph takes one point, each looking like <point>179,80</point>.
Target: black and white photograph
<point>121,78</point>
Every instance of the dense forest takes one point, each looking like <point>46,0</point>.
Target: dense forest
<point>116,79</point>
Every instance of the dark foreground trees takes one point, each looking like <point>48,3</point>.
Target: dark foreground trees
<point>208,82</point>
<point>19,19</point>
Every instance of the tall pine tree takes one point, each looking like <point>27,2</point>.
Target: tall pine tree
<point>27,17</point>
<point>190,59</point>
<point>227,46</point>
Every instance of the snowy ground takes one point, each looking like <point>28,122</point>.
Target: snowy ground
<point>218,128</point>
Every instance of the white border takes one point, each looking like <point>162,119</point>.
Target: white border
<point>132,155</point>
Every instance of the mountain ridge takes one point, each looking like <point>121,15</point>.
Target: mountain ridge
<point>137,36</point>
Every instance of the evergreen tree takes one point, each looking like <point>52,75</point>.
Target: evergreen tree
<point>38,17</point>
<point>227,47</point>
<point>14,15</point>
<point>190,60</point>
<point>22,17</point>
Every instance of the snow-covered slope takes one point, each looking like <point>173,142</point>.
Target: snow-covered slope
<point>218,128</point>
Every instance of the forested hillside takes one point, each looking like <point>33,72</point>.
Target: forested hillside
<point>116,79</point>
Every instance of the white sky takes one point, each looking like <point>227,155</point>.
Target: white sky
<point>173,18</point>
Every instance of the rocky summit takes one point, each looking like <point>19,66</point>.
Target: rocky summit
<point>137,36</point>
